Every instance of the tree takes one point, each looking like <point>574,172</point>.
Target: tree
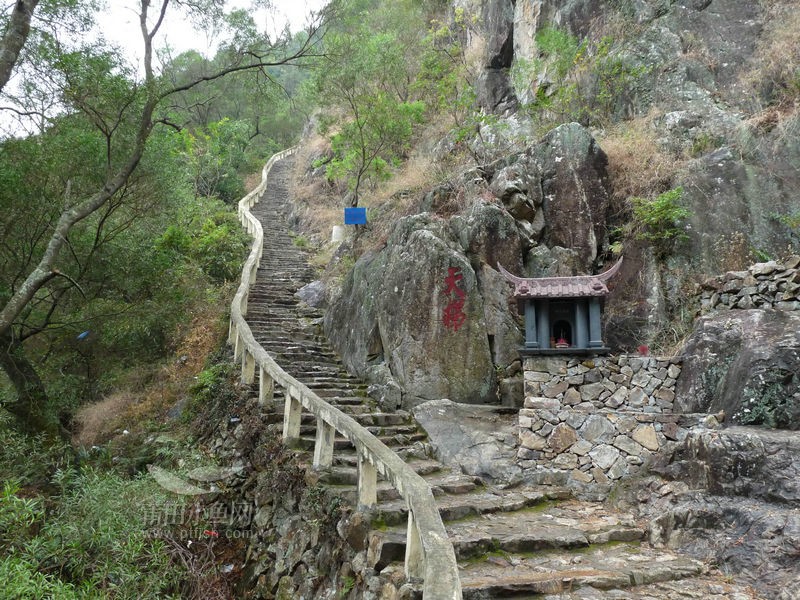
<point>119,113</point>
<point>370,67</point>
<point>14,37</point>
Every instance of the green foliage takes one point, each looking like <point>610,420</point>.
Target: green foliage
<point>17,515</point>
<point>367,147</point>
<point>94,539</point>
<point>214,389</point>
<point>212,238</point>
<point>28,459</point>
<point>774,404</point>
<point>22,581</point>
<point>578,80</point>
<point>373,50</point>
<point>660,220</point>
<point>214,155</point>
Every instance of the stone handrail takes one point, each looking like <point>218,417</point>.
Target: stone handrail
<point>429,552</point>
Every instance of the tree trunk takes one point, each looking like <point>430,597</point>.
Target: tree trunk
<point>14,37</point>
<point>30,408</point>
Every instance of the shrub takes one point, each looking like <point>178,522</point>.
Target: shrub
<point>95,538</point>
<point>660,220</point>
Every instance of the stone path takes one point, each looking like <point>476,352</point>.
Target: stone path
<point>525,542</point>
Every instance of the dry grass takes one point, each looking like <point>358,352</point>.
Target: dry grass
<point>319,202</point>
<point>97,421</point>
<point>148,394</point>
<point>637,165</point>
<point>774,72</point>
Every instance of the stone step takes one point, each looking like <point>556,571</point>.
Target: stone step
<point>345,470</point>
<point>441,482</point>
<point>708,587</point>
<point>603,567</point>
<point>561,526</point>
<point>340,443</point>
<point>484,501</point>
<point>309,428</point>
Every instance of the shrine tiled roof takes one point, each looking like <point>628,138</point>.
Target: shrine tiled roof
<point>561,287</point>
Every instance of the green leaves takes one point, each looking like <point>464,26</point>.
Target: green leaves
<point>373,60</point>
<point>661,220</point>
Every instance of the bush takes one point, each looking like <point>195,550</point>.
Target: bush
<point>660,220</point>
<point>95,538</point>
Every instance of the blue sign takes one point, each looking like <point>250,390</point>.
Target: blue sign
<point>355,216</point>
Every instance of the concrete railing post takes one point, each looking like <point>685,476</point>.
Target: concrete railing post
<point>237,347</point>
<point>414,565</point>
<point>253,273</point>
<point>367,482</point>
<point>266,386</point>
<point>323,448</point>
<point>248,368</point>
<point>291,418</point>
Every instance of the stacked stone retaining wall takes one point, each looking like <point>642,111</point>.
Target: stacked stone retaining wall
<point>772,284</point>
<point>594,421</point>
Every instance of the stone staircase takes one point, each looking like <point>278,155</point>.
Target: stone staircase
<point>523,542</point>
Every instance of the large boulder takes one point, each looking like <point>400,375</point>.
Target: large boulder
<point>417,307</point>
<point>733,495</point>
<point>494,85</point>
<point>740,461</point>
<point>559,192</point>
<point>478,440</point>
<point>745,363</point>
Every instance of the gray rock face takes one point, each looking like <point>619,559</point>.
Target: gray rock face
<point>478,438</point>
<point>396,307</point>
<point>740,461</point>
<point>313,294</point>
<point>494,87</point>
<point>745,363</point>
<point>733,495</point>
<point>575,190</point>
<point>558,189</point>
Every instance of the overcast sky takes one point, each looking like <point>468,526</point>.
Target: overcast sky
<point>119,24</point>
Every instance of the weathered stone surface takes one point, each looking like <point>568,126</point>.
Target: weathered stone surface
<point>646,436</point>
<point>627,445</point>
<point>314,294</point>
<point>575,190</point>
<point>466,437</point>
<point>597,428</point>
<point>391,310</point>
<point>604,456</point>
<point>741,461</point>
<point>562,437</point>
<point>591,391</point>
<point>494,86</point>
<point>744,361</point>
<point>549,404</point>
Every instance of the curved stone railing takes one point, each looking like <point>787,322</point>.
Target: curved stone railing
<point>429,552</point>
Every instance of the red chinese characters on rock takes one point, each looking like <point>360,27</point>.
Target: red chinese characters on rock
<point>453,315</point>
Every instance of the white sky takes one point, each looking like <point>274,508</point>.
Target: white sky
<point>119,24</point>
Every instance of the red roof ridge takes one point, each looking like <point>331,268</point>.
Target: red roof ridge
<point>561,287</point>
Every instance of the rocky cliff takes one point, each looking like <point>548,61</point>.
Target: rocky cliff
<point>431,307</point>
<point>666,95</point>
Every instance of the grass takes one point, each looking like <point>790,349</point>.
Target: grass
<point>638,166</point>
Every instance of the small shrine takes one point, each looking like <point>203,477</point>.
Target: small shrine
<point>562,314</point>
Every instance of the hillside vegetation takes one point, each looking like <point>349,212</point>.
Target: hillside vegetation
<point>550,137</point>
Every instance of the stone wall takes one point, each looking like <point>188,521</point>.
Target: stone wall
<point>625,383</point>
<point>770,284</point>
<point>593,421</point>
